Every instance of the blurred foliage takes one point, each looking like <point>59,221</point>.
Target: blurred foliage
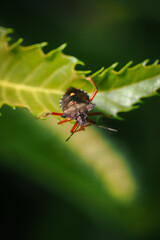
<point>91,177</point>
<point>39,199</point>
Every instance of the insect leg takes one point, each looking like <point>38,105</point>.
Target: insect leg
<point>49,113</point>
<point>94,113</point>
<point>91,121</point>
<point>74,126</point>
<point>73,130</point>
<point>99,113</point>
<point>64,121</point>
<point>95,92</point>
<point>83,128</point>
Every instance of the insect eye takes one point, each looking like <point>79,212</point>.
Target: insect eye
<point>72,94</point>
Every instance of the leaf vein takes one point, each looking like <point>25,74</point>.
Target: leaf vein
<point>29,88</point>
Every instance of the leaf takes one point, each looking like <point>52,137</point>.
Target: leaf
<point>121,90</point>
<point>29,78</point>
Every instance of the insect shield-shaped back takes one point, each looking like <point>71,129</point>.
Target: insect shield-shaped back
<point>76,104</point>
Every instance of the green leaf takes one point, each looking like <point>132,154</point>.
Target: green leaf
<point>29,78</point>
<point>121,90</point>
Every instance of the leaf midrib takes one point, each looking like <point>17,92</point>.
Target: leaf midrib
<point>23,87</point>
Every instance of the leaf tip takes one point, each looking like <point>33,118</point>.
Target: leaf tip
<point>125,68</point>
<point>144,63</point>
<point>156,62</point>
<point>114,65</point>
<point>107,70</point>
<point>55,51</point>
<point>43,44</point>
<point>62,47</point>
<point>16,44</point>
<point>80,62</point>
<point>5,31</point>
<point>98,72</point>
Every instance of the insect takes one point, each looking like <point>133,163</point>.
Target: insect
<point>76,104</point>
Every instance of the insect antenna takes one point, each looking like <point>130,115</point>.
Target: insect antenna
<point>95,124</point>
<point>69,136</point>
<point>110,129</point>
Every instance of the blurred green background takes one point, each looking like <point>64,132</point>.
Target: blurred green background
<point>51,190</point>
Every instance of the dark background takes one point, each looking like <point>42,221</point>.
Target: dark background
<point>99,33</point>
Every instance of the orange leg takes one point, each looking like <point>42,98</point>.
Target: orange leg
<point>83,128</point>
<point>94,113</point>
<point>49,113</point>
<point>95,92</point>
<point>99,113</point>
<point>91,121</point>
<point>57,114</point>
<point>73,130</point>
<point>64,121</point>
<point>74,127</point>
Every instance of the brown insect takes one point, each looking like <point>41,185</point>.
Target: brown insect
<point>76,104</point>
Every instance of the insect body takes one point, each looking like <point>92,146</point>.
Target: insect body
<point>76,104</point>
